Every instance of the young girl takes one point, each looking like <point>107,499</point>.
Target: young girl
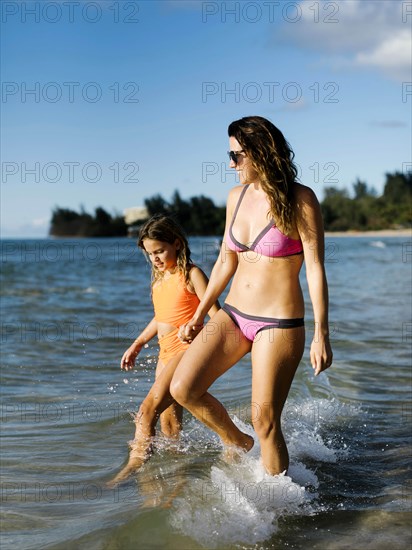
<point>177,288</point>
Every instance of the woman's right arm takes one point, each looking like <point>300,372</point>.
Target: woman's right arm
<point>222,271</point>
<point>129,356</point>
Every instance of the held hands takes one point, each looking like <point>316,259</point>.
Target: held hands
<point>190,330</point>
<point>129,356</point>
<point>321,355</point>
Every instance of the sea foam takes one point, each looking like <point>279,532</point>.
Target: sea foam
<point>240,503</point>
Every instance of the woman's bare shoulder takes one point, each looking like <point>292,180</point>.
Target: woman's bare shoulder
<point>308,213</point>
<point>305,195</point>
<point>234,193</point>
<point>233,198</point>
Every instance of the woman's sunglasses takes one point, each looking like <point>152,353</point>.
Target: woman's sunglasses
<point>233,155</point>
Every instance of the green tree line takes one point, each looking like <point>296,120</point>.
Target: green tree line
<point>68,223</point>
<point>197,216</point>
<point>364,210</point>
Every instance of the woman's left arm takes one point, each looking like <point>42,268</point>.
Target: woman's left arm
<point>310,227</point>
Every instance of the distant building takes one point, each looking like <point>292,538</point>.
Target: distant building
<point>135,214</point>
<point>133,217</point>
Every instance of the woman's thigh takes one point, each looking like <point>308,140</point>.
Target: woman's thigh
<point>276,354</point>
<point>214,350</point>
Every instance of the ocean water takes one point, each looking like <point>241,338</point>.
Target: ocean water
<point>70,309</point>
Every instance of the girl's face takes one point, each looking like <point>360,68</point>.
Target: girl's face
<point>162,255</point>
<point>244,168</point>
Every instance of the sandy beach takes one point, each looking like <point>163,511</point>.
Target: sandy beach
<point>379,233</point>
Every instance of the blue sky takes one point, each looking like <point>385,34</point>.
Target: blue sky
<point>106,103</point>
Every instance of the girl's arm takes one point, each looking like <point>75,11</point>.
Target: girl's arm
<point>129,356</point>
<point>310,227</point>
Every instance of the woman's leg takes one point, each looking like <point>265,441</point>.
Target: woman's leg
<point>276,354</point>
<point>216,348</point>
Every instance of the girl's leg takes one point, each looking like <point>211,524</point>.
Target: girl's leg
<point>216,348</point>
<point>276,354</point>
<point>157,400</point>
<point>171,418</point>
<point>171,421</point>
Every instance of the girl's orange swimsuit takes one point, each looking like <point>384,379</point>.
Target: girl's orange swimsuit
<point>174,305</point>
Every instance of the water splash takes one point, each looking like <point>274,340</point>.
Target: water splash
<point>378,244</point>
<point>241,503</point>
<point>91,290</point>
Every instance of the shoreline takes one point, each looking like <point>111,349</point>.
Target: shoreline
<point>350,233</point>
<point>373,233</point>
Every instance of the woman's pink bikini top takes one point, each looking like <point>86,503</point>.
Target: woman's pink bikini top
<point>270,241</point>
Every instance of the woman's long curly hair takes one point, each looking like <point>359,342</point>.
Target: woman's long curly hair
<point>166,229</point>
<point>272,158</point>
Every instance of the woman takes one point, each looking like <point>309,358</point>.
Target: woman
<point>273,223</point>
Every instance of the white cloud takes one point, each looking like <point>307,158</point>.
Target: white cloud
<point>355,33</point>
<point>41,222</point>
<point>393,55</point>
<point>37,228</point>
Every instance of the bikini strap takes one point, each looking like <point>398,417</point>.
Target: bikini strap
<point>238,204</point>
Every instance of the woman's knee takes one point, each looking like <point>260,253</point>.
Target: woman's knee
<point>266,424</point>
<point>184,392</point>
<point>180,391</point>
